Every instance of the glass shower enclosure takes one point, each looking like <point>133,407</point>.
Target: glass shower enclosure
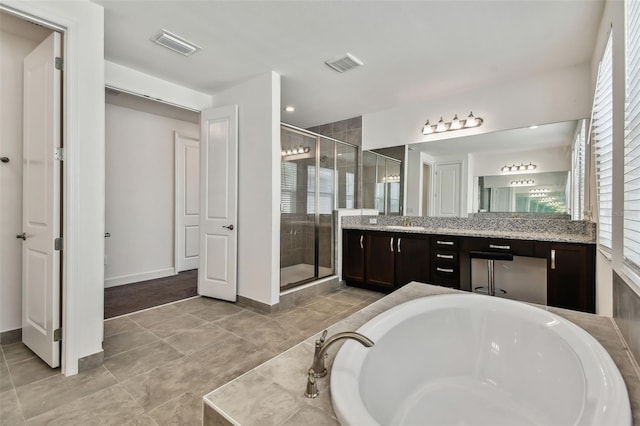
<point>317,175</point>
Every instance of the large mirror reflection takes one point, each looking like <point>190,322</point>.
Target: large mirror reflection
<point>537,169</point>
<point>525,193</point>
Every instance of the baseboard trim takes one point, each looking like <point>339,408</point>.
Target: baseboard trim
<point>257,306</point>
<point>10,336</point>
<point>134,278</point>
<point>90,362</point>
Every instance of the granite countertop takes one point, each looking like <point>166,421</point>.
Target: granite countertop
<point>273,393</point>
<point>506,234</point>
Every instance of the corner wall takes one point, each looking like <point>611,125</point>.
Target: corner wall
<point>258,103</point>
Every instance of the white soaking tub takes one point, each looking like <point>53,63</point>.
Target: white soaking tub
<point>476,360</point>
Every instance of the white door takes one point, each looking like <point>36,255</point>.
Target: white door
<point>187,193</point>
<point>217,272</point>
<point>41,201</point>
<point>448,189</point>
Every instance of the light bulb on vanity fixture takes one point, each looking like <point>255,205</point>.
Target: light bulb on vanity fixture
<point>455,124</point>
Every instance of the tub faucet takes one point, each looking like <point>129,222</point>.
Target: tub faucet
<point>318,369</point>
<point>322,346</point>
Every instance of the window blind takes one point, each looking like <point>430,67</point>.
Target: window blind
<point>579,148</point>
<point>326,190</point>
<point>601,137</point>
<point>631,230</point>
<point>288,184</point>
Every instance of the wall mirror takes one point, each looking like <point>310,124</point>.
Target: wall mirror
<point>498,171</point>
<point>525,193</point>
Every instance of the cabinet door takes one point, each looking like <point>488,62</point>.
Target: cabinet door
<point>571,276</point>
<point>380,259</point>
<point>353,256</point>
<point>412,259</point>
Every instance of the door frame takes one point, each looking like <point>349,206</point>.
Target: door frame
<point>176,197</point>
<point>71,285</point>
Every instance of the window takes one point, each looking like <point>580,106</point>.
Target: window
<point>601,136</point>
<point>579,147</point>
<point>350,190</point>
<point>288,182</point>
<point>326,190</point>
<point>631,230</point>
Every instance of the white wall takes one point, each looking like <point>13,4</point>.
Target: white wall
<point>258,185</point>
<point>136,82</point>
<point>83,111</point>
<point>546,98</point>
<point>14,46</point>
<point>140,194</point>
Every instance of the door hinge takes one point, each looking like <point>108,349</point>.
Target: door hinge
<point>58,243</point>
<point>59,63</point>
<point>59,154</point>
<point>57,335</point>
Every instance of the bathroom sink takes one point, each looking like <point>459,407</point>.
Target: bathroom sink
<point>405,228</point>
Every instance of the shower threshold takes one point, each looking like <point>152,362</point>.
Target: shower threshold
<point>295,275</point>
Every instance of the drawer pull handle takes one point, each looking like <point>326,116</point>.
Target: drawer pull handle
<point>399,239</point>
<point>495,246</point>
<point>361,237</point>
<point>553,259</point>
<point>447,270</point>
<point>445,243</point>
<point>391,244</point>
<point>444,256</point>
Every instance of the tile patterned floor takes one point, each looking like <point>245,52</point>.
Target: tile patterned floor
<point>160,362</point>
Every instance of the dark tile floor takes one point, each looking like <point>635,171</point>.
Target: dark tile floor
<point>128,298</point>
<point>160,362</point>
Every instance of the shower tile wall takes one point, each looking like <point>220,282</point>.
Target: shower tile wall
<point>349,130</point>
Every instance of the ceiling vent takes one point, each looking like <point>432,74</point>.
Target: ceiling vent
<point>344,63</point>
<point>175,43</point>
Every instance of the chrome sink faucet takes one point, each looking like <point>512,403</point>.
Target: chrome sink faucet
<point>317,368</point>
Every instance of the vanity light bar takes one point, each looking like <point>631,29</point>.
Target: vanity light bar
<point>295,151</point>
<point>515,168</point>
<point>391,178</point>
<point>454,124</point>
<point>523,182</point>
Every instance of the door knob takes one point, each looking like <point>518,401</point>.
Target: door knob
<point>22,236</point>
<point>4,159</point>
<point>230,227</point>
<point>107,234</point>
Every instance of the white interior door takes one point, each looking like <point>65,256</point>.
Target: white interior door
<point>41,201</point>
<point>187,233</point>
<point>217,273</point>
<point>448,189</point>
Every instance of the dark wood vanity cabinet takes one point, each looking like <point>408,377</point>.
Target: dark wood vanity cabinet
<point>380,260</point>
<point>571,276</point>
<point>353,256</point>
<point>445,266</point>
<point>384,261</point>
<point>412,259</point>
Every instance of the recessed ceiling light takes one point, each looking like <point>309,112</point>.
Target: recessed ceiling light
<point>533,127</point>
<point>176,43</point>
<point>289,108</point>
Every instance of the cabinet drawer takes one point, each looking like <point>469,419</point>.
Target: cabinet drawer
<point>444,257</point>
<point>444,242</point>
<point>514,247</point>
<point>446,275</point>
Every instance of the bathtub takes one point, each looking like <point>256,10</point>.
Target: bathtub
<point>476,360</point>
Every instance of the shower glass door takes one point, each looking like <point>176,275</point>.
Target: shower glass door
<point>318,175</point>
<point>297,221</point>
